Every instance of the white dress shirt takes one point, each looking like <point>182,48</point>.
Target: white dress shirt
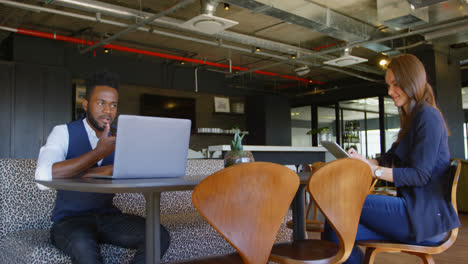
<point>56,149</point>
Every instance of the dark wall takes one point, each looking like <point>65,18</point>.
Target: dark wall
<point>6,91</point>
<point>277,121</point>
<point>269,121</point>
<point>34,99</point>
<point>444,74</point>
<point>135,70</point>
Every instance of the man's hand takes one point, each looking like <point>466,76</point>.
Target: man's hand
<point>106,143</point>
<point>82,164</point>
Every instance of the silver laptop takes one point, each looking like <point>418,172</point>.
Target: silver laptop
<point>335,149</point>
<point>150,147</point>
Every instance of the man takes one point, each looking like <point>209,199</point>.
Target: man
<point>83,220</point>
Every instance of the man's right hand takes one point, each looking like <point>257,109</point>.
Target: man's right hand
<point>106,143</point>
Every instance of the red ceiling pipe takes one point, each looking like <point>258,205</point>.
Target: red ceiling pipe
<point>151,53</point>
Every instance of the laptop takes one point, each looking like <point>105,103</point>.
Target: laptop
<point>335,149</point>
<point>150,147</point>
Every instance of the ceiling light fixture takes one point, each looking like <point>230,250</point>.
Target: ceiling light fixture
<point>383,62</point>
<point>257,49</point>
<point>226,6</point>
<point>106,50</point>
<point>293,57</point>
<point>345,60</point>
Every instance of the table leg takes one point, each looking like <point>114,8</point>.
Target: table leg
<point>153,249</point>
<point>298,214</point>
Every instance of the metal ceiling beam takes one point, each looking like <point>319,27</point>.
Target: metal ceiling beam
<point>462,21</point>
<point>317,18</point>
<point>137,25</point>
<point>168,34</point>
<point>175,24</point>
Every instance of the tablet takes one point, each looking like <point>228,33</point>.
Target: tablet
<point>335,149</point>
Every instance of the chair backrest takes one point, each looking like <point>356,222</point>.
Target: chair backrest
<point>313,169</point>
<point>246,204</point>
<point>455,167</point>
<point>339,189</point>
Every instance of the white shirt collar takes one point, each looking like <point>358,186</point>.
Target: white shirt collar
<point>89,130</point>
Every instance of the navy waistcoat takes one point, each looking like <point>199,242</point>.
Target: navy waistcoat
<point>69,203</point>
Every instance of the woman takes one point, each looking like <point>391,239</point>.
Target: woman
<point>418,164</point>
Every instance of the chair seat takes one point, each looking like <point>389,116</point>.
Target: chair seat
<point>311,225</point>
<point>391,246</point>
<point>232,258</point>
<point>308,250</point>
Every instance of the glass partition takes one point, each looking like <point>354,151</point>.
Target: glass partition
<point>392,123</point>
<point>301,124</point>
<point>326,123</point>
<point>359,125</point>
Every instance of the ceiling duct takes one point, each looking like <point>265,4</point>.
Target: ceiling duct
<point>398,14</point>
<point>423,3</point>
<point>207,22</point>
<point>317,18</point>
<point>301,71</point>
<point>345,60</point>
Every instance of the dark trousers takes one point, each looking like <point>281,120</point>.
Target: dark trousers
<point>80,236</point>
<point>382,218</point>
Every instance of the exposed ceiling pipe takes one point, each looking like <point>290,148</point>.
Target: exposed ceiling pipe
<point>138,24</point>
<point>196,79</point>
<point>175,24</point>
<point>149,53</point>
<point>462,21</point>
<point>318,18</point>
<point>446,32</point>
<point>207,42</point>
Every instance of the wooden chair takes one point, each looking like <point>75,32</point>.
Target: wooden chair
<point>311,225</point>
<point>246,204</point>
<point>339,189</point>
<point>424,252</point>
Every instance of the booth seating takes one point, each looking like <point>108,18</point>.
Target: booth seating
<point>25,219</point>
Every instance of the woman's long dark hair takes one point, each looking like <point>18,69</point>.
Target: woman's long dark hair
<point>410,76</point>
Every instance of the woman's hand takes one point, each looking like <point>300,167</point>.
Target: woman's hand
<point>353,154</point>
<point>387,174</point>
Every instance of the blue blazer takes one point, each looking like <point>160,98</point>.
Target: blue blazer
<point>421,173</point>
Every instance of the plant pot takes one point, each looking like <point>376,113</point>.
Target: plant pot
<point>235,157</point>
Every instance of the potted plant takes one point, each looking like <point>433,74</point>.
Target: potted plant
<point>237,153</point>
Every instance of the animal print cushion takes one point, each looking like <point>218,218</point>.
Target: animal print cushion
<point>25,219</point>
<point>22,204</point>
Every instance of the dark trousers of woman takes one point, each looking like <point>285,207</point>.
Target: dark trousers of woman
<point>80,236</point>
<point>382,218</point>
